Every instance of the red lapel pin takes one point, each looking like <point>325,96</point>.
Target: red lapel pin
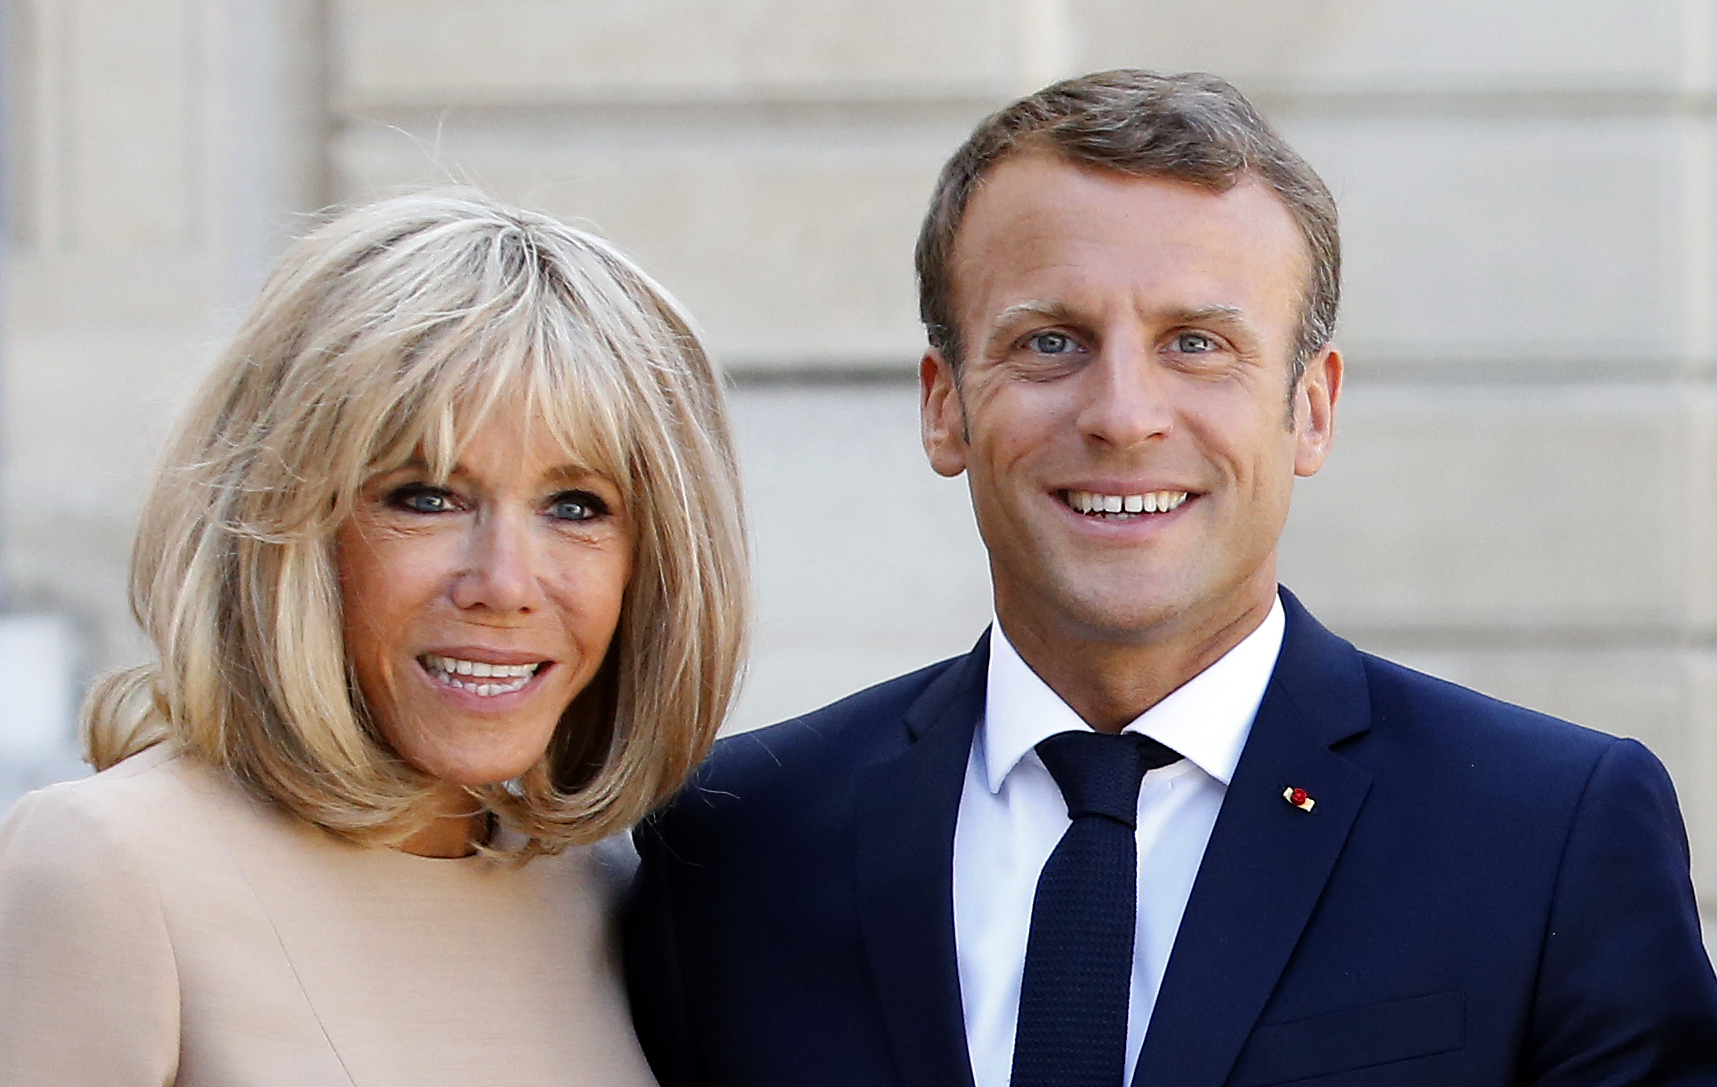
<point>1298,798</point>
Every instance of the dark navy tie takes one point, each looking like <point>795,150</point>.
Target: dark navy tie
<point>1079,955</point>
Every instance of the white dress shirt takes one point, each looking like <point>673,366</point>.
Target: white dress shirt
<point>1012,815</point>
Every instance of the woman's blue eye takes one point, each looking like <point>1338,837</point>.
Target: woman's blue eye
<point>577,506</point>
<point>420,498</point>
<point>1051,343</point>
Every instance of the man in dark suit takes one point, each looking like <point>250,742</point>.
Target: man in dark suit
<point>1159,826</point>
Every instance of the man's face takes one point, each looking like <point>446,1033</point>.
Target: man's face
<point>1128,344</point>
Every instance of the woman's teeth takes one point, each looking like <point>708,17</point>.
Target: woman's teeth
<point>506,678</point>
<point>1123,505</point>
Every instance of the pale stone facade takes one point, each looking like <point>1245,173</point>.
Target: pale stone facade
<point>1523,496</point>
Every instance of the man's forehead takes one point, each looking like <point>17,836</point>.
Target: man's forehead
<point>1047,175</point>
<point>1043,203</point>
<point>1051,215</point>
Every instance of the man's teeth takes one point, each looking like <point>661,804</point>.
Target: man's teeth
<point>449,670</point>
<point>1123,504</point>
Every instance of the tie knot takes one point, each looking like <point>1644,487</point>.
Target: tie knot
<point>1099,773</point>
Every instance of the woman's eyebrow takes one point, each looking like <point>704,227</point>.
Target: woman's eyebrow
<point>572,473</point>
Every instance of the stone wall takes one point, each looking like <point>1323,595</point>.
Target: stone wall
<point>1524,493</point>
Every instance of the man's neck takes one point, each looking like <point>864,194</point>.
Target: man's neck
<point>1110,682</point>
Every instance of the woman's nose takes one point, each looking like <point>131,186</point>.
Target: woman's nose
<point>498,573</point>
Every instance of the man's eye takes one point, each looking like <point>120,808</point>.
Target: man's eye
<point>1051,343</point>
<point>1194,343</point>
<point>577,506</point>
<point>422,498</point>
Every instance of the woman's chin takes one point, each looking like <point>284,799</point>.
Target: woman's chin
<point>478,769</point>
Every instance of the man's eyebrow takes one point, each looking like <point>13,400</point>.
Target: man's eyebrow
<point>1060,311</point>
<point>1055,311</point>
<point>1215,312</point>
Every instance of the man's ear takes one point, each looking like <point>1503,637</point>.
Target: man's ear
<point>1315,395</point>
<point>941,418</point>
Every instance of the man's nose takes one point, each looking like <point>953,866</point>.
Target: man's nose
<point>1127,396</point>
<point>498,572</point>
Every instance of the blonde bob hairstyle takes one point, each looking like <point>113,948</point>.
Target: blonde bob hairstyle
<point>396,331</point>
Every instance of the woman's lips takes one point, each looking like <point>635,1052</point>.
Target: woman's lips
<point>485,679</point>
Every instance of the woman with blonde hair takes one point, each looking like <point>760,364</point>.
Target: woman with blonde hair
<point>445,570</point>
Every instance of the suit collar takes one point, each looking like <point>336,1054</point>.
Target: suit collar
<point>1323,676</point>
<point>1206,719</point>
<point>944,700</point>
<point>906,895</point>
<point>1267,861</point>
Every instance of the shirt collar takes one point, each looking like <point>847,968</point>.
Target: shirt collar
<point>1207,719</point>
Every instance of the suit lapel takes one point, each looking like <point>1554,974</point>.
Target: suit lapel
<point>907,805</point>
<point>1267,862</point>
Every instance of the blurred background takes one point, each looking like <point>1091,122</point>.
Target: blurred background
<point>1523,496</point>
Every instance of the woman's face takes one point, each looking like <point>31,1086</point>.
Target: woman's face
<point>475,610</point>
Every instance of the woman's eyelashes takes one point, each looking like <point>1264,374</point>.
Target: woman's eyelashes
<point>577,506</point>
<point>423,498</point>
<point>430,498</point>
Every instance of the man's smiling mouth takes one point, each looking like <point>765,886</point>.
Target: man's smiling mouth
<point>1123,506</point>
<point>480,678</point>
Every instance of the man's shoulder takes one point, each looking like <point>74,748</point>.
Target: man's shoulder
<point>1431,730</point>
<point>1406,708</point>
<point>1417,735</point>
<point>1402,696</point>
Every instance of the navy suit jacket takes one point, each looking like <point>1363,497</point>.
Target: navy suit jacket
<point>1481,896</point>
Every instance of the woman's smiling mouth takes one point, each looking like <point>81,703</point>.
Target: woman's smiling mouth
<point>479,677</point>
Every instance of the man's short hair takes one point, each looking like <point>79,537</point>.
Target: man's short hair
<point>1192,127</point>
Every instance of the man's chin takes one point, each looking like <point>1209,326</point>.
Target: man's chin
<point>1132,627</point>
<point>1102,618</point>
